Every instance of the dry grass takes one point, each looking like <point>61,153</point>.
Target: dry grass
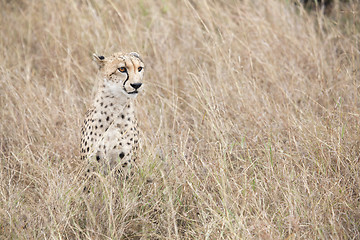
<point>250,120</point>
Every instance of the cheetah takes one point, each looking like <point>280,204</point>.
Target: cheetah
<point>109,136</point>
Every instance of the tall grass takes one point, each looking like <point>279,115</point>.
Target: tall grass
<point>250,120</point>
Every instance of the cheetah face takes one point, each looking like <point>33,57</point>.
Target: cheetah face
<point>122,73</point>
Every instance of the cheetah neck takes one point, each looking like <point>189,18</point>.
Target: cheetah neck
<point>113,95</point>
<point>116,107</point>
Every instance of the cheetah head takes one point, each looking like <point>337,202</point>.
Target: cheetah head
<point>122,73</point>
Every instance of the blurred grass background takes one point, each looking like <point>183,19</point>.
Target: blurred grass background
<point>250,120</point>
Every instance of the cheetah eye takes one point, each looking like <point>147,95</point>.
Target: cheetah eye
<point>122,69</point>
<point>140,68</point>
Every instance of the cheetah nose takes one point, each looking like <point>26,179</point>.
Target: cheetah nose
<point>136,85</point>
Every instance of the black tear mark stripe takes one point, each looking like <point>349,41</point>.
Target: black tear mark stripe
<point>127,78</point>
<point>127,75</point>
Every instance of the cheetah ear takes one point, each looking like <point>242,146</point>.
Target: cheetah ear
<point>100,60</point>
<point>135,54</point>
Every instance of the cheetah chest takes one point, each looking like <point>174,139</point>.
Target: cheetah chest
<point>119,143</point>
<point>111,136</point>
